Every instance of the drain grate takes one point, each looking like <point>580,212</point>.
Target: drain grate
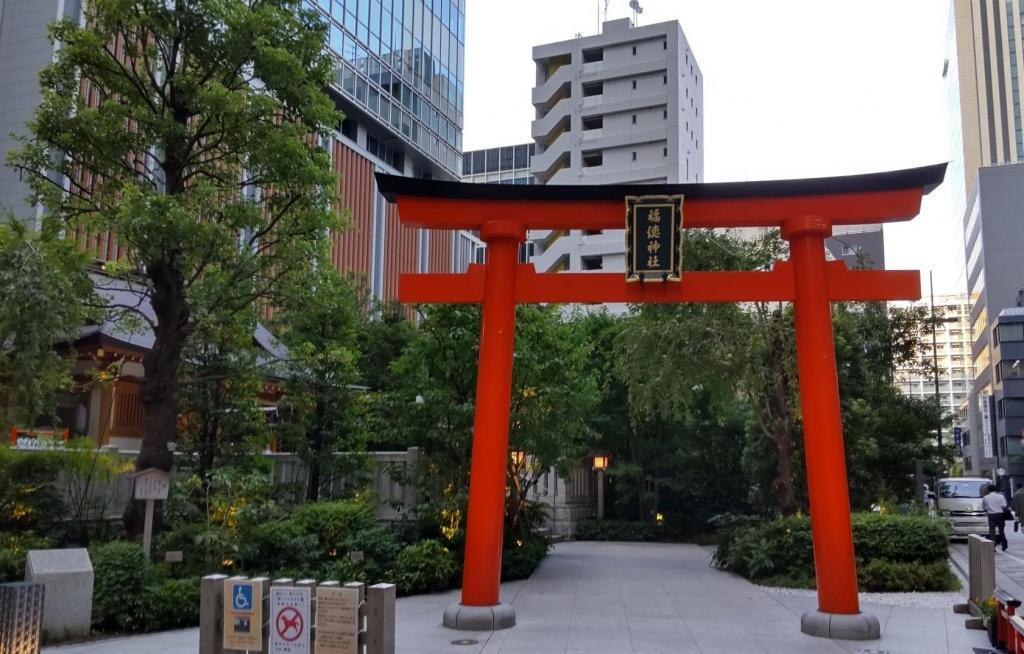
<point>465,641</point>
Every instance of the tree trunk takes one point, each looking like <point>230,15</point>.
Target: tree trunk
<point>784,426</point>
<point>159,395</point>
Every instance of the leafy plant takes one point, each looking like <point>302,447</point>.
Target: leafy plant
<point>426,566</point>
<point>522,557</point>
<point>14,548</point>
<point>333,523</point>
<point>173,603</point>
<point>120,602</point>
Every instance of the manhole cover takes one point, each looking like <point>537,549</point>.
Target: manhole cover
<point>465,641</point>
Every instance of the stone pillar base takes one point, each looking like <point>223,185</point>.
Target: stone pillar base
<point>479,618</point>
<point>841,626</point>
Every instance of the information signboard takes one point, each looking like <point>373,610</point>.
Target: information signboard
<point>290,621</point>
<point>337,620</point>
<point>243,614</point>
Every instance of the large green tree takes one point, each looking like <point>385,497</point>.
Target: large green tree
<point>187,129</point>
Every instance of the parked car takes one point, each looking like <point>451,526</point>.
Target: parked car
<point>959,500</point>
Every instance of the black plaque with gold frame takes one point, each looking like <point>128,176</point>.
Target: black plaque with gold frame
<point>654,238</point>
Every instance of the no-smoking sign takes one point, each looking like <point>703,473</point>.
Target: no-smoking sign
<point>289,614</point>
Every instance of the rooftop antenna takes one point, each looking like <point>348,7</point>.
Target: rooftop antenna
<point>637,10</point>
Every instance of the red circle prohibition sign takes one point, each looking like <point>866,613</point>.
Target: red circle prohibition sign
<point>289,624</point>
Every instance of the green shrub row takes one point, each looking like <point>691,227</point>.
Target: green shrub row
<point>894,553</point>
<point>623,530</point>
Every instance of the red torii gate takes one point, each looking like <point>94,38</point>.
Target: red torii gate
<point>804,210</point>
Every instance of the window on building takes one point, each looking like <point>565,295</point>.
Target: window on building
<point>467,164</point>
<point>526,251</point>
<point>634,50</point>
<point>492,160</point>
<point>521,156</point>
<point>593,122</point>
<point>634,85</point>
<point>1013,369</point>
<point>664,79</point>
<point>1011,332</point>
<point>590,56</point>
<point>478,162</point>
<point>592,158</point>
<point>664,45</point>
<point>634,119</point>
<point>664,152</point>
<point>634,156</point>
<point>968,464</point>
<point>349,128</point>
<point>664,114</point>
<point>1013,407</point>
<point>591,263</point>
<point>506,158</point>
<point>592,88</point>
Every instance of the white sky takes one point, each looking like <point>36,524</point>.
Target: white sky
<point>792,88</point>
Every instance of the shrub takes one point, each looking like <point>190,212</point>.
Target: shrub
<point>120,602</point>
<point>13,550</point>
<point>380,547</point>
<point>522,558</point>
<point>621,530</point>
<point>887,575</point>
<point>29,499</point>
<point>174,603</point>
<point>333,523</point>
<point>278,544</point>
<point>426,566</point>
<point>893,552</point>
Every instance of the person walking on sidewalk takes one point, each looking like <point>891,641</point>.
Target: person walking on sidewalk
<point>996,510</point>
<point>1017,504</point>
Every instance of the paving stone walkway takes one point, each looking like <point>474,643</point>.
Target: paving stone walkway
<point>621,598</point>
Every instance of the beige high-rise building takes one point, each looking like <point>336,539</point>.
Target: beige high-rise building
<point>989,54</point>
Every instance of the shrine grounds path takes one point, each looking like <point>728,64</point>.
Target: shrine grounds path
<point>637,598</point>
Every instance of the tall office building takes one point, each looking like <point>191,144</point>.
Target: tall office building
<point>985,53</point>
<point>624,106</point>
<point>400,67</point>
<point>951,354</point>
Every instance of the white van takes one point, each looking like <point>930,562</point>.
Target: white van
<point>959,500</point>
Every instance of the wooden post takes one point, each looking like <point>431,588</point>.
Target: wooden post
<point>147,529</point>
<point>211,618</point>
<point>380,617</point>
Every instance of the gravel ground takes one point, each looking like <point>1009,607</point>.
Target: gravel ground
<point>920,600</point>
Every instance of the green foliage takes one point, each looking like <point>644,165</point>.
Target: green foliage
<point>622,530</point>
<point>424,567</point>
<point>522,557</point>
<point>334,523</point>
<point>14,548</point>
<point>174,603</point>
<point>278,544</point>
<point>44,292</point>
<point>120,601</point>
<point>29,499</point>
<point>883,575</point>
<point>380,548</point>
<point>898,553</point>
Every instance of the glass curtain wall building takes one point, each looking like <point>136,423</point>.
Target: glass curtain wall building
<point>403,61</point>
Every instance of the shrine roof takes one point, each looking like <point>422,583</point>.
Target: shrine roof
<point>925,177</point>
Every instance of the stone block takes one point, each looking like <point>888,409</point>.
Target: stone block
<point>68,578</point>
<point>479,618</point>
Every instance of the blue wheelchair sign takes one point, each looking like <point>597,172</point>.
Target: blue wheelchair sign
<point>241,599</point>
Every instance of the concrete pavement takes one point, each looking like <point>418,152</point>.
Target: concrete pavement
<point>631,598</point>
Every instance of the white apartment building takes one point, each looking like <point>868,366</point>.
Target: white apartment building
<point>621,107</point>
<point>952,352</point>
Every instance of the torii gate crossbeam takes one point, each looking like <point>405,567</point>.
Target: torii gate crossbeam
<point>804,210</point>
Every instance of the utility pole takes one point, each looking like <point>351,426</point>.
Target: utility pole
<point>935,359</point>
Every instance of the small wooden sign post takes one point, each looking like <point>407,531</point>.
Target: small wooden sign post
<point>151,484</point>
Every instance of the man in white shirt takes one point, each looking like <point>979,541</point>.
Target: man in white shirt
<point>995,504</point>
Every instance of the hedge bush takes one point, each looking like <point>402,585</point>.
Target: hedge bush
<point>333,523</point>
<point>424,567</point>
<point>13,550</point>
<point>622,530</point>
<point>120,601</point>
<point>173,603</point>
<point>894,553</point>
<point>520,559</point>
